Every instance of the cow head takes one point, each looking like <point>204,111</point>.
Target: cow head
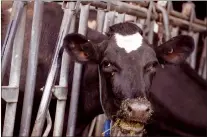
<point>127,65</point>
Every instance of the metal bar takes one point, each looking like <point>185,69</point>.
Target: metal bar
<point>14,78</point>
<point>49,124</point>
<point>193,55</point>
<point>100,20</point>
<point>120,18</point>
<point>109,20</point>
<point>99,124</point>
<point>92,127</point>
<point>122,7</point>
<point>77,76</point>
<point>11,21</point>
<point>47,94</point>
<point>31,69</point>
<point>151,32</point>
<point>64,73</point>
<point>174,31</point>
<point>142,13</point>
<point>185,24</point>
<point>7,46</point>
<point>165,21</point>
<point>203,58</point>
<point>181,16</point>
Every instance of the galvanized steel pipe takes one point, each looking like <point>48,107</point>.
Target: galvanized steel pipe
<point>11,31</point>
<point>64,73</point>
<point>100,20</point>
<point>47,94</point>
<point>31,68</point>
<point>77,76</point>
<point>12,91</point>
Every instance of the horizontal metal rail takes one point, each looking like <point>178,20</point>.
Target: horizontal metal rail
<point>175,18</point>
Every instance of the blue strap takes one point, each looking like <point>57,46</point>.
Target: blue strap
<point>107,126</point>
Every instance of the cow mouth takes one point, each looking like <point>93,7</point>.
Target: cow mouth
<point>125,123</point>
<point>123,127</point>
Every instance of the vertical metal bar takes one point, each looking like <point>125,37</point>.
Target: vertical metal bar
<point>32,68</point>
<point>193,55</point>
<point>174,31</point>
<point>151,32</point>
<point>204,71</point>
<point>100,20</point>
<point>6,48</point>
<point>109,20</point>
<point>47,94</point>
<point>99,124</point>
<point>92,127</point>
<point>49,125</point>
<point>15,75</point>
<point>120,18</point>
<point>63,82</point>
<point>77,76</point>
<point>165,21</point>
<point>14,8</point>
<point>203,58</point>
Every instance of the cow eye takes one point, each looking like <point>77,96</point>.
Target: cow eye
<point>106,64</point>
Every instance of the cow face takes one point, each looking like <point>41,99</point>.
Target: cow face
<point>127,66</point>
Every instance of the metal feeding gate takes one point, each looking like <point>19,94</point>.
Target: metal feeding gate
<point>150,16</point>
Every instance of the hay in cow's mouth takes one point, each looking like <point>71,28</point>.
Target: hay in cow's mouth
<point>122,127</point>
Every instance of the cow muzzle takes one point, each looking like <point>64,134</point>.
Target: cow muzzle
<point>139,110</point>
<point>133,116</point>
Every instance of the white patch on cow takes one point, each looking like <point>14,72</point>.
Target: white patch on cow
<point>9,10</point>
<point>129,42</point>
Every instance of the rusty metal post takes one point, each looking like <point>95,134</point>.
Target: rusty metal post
<point>77,76</point>
<point>31,69</point>
<point>61,90</point>
<point>11,31</point>
<point>10,93</point>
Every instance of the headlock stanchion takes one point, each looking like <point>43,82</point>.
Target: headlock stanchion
<point>10,93</point>
<point>32,68</point>
<point>61,91</point>
<point>47,94</point>
<point>18,7</point>
<point>77,76</point>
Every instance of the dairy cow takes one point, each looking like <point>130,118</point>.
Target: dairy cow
<point>129,70</point>
<point>127,65</point>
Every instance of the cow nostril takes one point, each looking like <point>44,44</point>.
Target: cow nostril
<point>129,108</point>
<point>148,109</point>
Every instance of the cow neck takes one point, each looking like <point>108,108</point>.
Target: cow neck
<point>100,89</point>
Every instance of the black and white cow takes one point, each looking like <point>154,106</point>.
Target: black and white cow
<point>128,64</point>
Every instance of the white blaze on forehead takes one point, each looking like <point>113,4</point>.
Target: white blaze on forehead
<point>129,42</point>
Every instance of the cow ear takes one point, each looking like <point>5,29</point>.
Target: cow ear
<point>176,50</point>
<point>80,48</point>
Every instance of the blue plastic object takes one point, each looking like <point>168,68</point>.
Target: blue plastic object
<point>107,126</point>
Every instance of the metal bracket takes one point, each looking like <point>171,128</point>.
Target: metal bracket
<point>10,94</point>
<point>60,92</point>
